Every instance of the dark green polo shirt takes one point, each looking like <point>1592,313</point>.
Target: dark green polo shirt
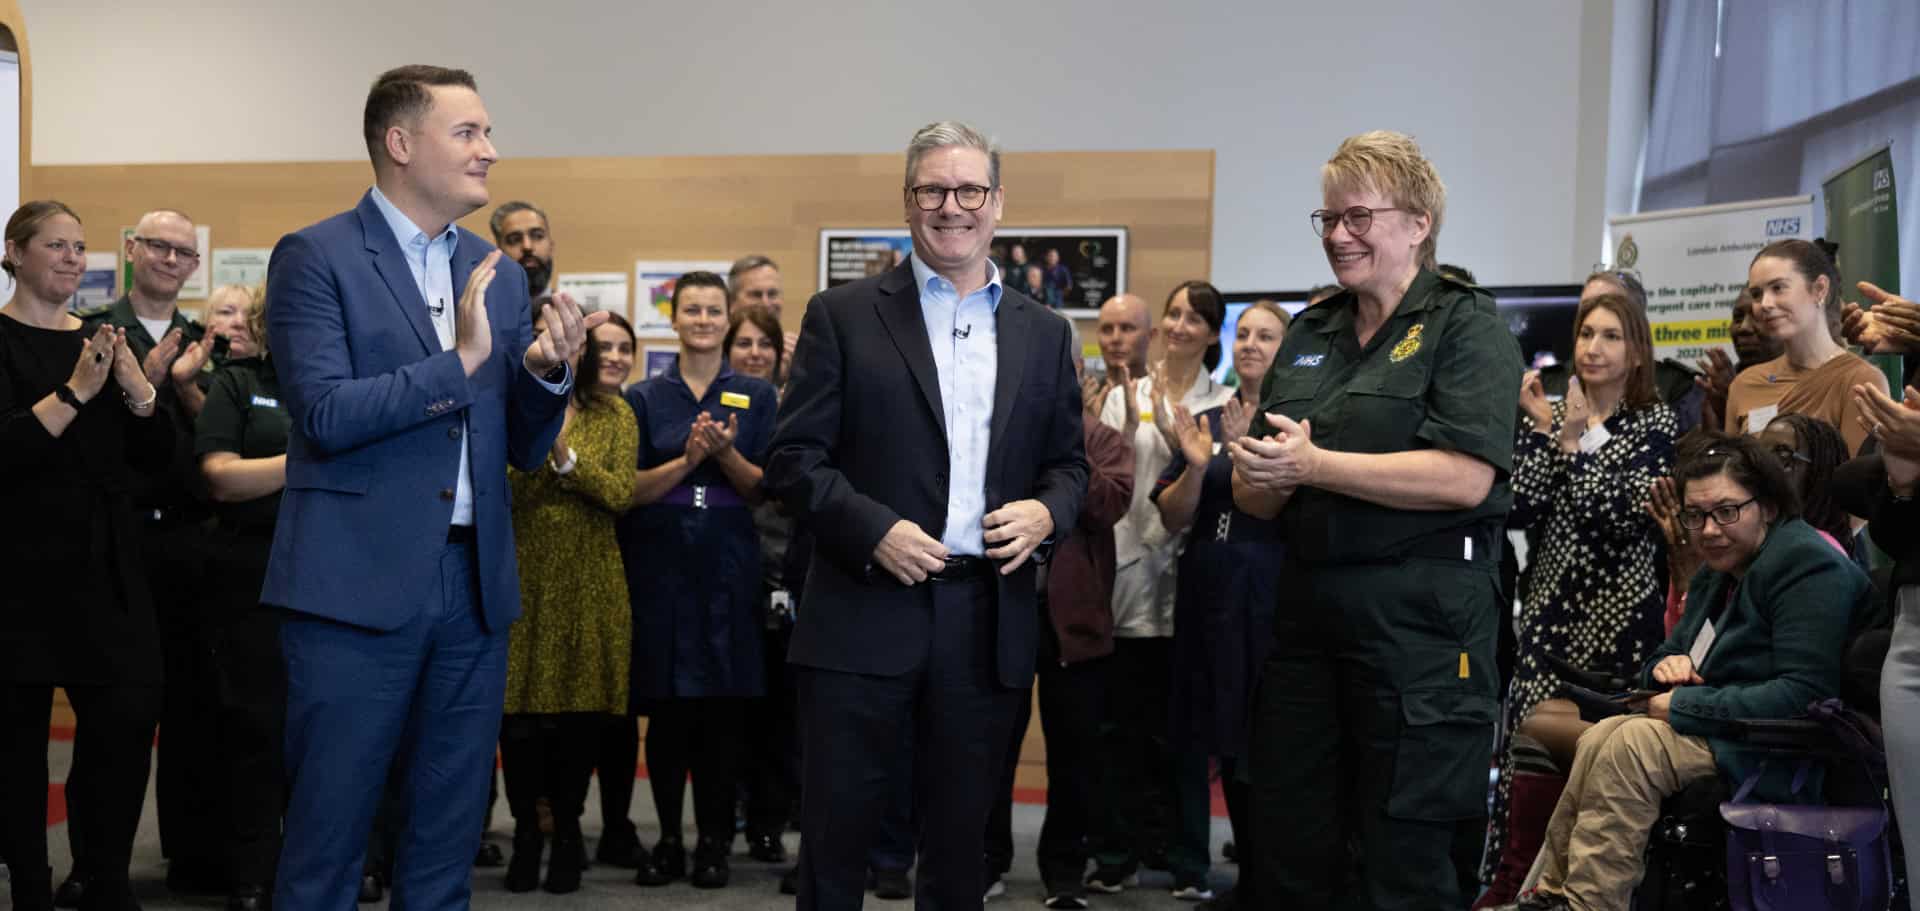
<point>177,495</point>
<point>244,415</point>
<point>1442,373</point>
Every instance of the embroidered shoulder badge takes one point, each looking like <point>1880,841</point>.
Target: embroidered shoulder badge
<point>1407,346</point>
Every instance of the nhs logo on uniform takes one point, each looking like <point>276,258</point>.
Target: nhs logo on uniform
<point>1783,227</point>
<point>1309,360</point>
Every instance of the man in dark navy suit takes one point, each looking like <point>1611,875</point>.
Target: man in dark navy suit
<point>413,378</point>
<point>930,437</point>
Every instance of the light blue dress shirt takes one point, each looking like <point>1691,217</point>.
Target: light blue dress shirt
<point>966,355</point>
<point>431,261</point>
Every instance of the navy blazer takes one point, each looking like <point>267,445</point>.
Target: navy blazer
<point>861,444</point>
<point>376,408</point>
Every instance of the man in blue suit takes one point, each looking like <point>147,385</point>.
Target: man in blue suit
<point>409,367</point>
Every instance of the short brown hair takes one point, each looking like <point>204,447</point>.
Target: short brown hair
<point>401,95</point>
<point>26,222</point>
<point>1391,164</point>
<point>1640,391</point>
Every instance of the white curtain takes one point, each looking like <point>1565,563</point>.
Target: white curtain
<point>1759,98</point>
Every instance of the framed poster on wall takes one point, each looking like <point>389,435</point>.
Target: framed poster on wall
<point>1072,270</point>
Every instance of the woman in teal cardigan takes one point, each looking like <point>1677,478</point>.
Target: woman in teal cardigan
<point>1767,621</point>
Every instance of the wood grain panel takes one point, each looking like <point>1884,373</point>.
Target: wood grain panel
<point>609,212</point>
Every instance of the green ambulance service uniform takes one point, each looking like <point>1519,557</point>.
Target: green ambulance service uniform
<point>1375,715</point>
<point>243,415</point>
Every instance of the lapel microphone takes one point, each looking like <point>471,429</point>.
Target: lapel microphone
<point>438,307</point>
<point>964,331</point>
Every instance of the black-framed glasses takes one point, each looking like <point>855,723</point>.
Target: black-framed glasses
<point>163,249</point>
<point>1789,455</point>
<point>930,198</point>
<point>1359,219</point>
<point>1723,516</point>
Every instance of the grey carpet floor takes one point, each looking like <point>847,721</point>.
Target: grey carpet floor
<point>754,887</point>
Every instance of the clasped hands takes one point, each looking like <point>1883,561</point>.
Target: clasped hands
<point>1672,671</point>
<point>107,352</point>
<point>1278,463</point>
<point>1891,326</point>
<point>1013,533</point>
<point>559,341</point>
<point>708,437</point>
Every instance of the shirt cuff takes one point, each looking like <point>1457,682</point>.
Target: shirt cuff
<point>563,466</point>
<point>565,384</point>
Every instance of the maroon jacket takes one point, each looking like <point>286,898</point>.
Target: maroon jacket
<point>1080,577</point>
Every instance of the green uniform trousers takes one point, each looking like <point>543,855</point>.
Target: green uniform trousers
<point>1373,730</point>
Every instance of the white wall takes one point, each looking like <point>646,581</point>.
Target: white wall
<point>1501,93</point>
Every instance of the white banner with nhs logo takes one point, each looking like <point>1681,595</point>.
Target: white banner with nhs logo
<point>1693,263</point>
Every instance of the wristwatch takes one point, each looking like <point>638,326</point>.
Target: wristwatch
<point>65,393</point>
<point>558,373</point>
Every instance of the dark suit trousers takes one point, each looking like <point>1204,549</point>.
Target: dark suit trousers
<point>960,718</point>
<point>191,795</point>
<point>113,734</point>
<point>422,701</point>
<point>1072,699</point>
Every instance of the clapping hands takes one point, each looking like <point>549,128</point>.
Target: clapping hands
<point>708,437</point>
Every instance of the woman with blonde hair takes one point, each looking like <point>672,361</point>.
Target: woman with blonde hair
<point>1383,446</point>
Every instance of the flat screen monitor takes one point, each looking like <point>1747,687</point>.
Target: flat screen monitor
<point>1539,316</point>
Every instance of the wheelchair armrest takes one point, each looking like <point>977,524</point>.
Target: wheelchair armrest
<point>1598,681</point>
<point>1787,736</point>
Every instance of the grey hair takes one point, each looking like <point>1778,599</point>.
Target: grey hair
<point>746,264</point>
<point>500,216</point>
<point>949,134</point>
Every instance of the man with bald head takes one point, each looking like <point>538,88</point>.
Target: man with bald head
<point>164,251</point>
<point>1126,332</point>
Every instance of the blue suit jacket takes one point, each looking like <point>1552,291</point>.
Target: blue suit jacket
<point>376,407</point>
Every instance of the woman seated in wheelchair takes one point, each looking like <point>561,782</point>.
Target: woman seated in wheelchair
<point>1763,636</point>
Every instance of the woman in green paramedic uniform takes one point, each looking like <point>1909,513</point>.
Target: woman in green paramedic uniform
<point>1387,441</point>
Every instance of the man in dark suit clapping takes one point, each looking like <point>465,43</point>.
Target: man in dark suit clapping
<point>931,438</point>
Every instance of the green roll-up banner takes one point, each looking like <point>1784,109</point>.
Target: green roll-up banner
<point>1862,219</point>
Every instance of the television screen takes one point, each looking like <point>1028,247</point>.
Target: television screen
<point>1539,316</point>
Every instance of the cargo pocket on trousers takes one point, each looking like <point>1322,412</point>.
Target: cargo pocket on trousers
<point>1446,747</point>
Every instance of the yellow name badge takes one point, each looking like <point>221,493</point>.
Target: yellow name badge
<point>734,400</point>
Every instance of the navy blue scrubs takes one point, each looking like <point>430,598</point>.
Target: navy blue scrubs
<point>1223,610</point>
<point>693,558</point>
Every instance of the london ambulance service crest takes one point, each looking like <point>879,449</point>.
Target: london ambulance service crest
<point>1406,347</point>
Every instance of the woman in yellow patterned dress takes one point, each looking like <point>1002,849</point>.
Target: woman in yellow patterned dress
<point>567,655</point>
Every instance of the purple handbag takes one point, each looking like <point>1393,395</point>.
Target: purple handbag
<point>1792,857</point>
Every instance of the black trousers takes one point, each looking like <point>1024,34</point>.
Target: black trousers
<point>617,761</point>
<point>113,736</point>
<point>191,799</point>
<point>773,755</point>
<point>1138,819</point>
<point>548,756</point>
<point>1072,699</point>
<point>705,737</point>
<point>251,681</point>
<point>959,716</point>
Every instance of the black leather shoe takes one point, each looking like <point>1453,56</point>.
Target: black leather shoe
<point>892,885</point>
<point>710,869</point>
<point>71,893</point>
<point>619,846</point>
<point>489,855</point>
<point>790,881</point>
<point>372,889</point>
<point>766,848</point>
<point>249,897</point>
<point>669,860</point>
<point>523,871</point>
